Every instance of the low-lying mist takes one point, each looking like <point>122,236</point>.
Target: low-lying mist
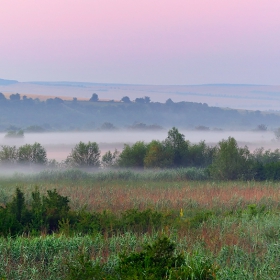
<point>59,144</point>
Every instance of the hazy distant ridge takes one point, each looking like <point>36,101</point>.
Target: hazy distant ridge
<point>237,96</point>
<point>7,82</point>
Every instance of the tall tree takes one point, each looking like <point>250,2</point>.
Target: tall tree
<point>176,142</point>
<point>84,155</point>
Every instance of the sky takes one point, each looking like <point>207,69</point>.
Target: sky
<point>159,42</point>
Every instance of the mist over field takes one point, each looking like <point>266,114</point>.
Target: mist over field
<point>139,140</point>
<point>59,144</point>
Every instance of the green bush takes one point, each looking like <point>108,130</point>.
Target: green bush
<point>141,221</point>
<point>15,216</point>
<point>160,261</point>
<point>156,261</point>
<point>82,268</point>
<point>43,214</point>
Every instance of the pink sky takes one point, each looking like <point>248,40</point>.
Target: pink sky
<point>146,42</point>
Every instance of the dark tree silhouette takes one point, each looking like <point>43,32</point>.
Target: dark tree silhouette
<point>94,98</point>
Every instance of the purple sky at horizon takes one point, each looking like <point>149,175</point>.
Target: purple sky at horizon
<point>141,42</point>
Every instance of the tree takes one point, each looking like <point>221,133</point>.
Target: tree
<point>32,154</point>
<point>15,134</point>
<point>94,98</point>
<point>140,100</point>
<point>126,99</point>
<point>277,133</point>
<point>230,161</point>
<point>261,127</point>
<point>54,101</point>
<point>158,156</point>
<point>107,126</point>
<point>133,156</point>
<point>200,155</point>
<point>8,154</point>
<point>147,99</point>
<point>15,97</point>
<point>58,100</point>
<point>176,142</point>
<point>84,155</point>
<point>169,101</point>
<point>110,159</point>
<point>2,97</point>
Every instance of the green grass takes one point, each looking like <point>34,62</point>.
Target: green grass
<point>47,257</point>
<point>235,225</point>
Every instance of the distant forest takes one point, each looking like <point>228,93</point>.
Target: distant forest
<point>54,114</point>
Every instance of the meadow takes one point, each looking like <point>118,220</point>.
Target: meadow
<point>234,225</point>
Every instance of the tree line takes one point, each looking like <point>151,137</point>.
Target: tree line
<point>224,161</point>
<point>55,114</point>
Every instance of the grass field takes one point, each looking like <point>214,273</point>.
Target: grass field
<point>235,224</point>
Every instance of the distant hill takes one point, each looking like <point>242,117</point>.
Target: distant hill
<point>4,82</point>
<point>237,96</point>
<point>56,114</point>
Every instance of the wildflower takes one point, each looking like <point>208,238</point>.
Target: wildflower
<point>181,213</point>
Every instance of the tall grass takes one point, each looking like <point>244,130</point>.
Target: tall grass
<point>120,195</point>
<point>124,174</point>
<point>235,224</point>
<point>47,257</point>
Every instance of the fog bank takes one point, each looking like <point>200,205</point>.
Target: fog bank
<point>59,144</point>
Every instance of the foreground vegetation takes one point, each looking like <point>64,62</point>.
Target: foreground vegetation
<point>106,227</point>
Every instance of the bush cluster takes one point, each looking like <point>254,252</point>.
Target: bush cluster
<point>155,261</point>
<point>51,213</point>
<point>43,215</point>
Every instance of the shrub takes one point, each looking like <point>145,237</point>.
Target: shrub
<point>83,268</point>
<point>14,216</point>
<point>141,221</point>
<point>159,261</point>
<point>55,208</point>
<point>43,213</point>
